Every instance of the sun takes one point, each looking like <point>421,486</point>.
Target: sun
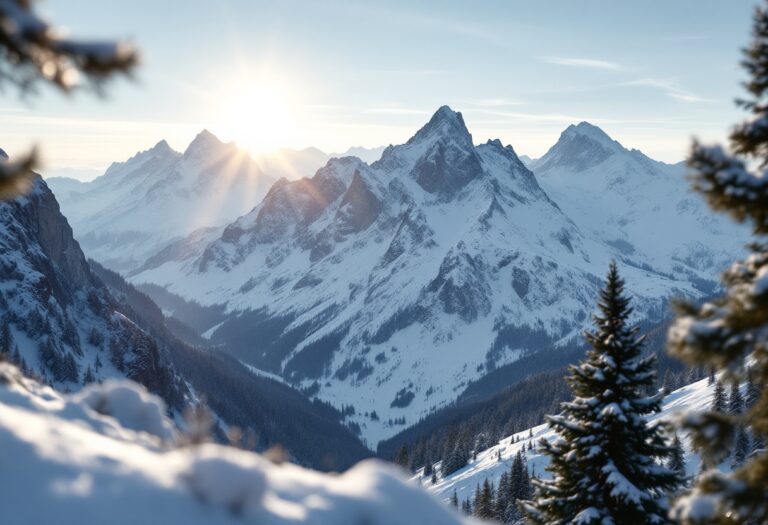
<point>258,113</point>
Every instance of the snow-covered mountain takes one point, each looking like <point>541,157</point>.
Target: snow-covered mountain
<point>694,397</point>
<point>642,207</point>
<point>110,455</point>
<point>58,319</point>
<point>367,155</point>
<point>292,164</point>
<point>158,196</point>
<point>71,323</point>
<point>390,286</point>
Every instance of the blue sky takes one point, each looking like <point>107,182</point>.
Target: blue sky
<point>651,74</point>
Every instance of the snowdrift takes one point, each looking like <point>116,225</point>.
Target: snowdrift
<point>109,455</point>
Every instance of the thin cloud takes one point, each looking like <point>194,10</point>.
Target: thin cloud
<point>494,102</point>
<point>587,63</point>
<point>396,111</point>
<point>670,89</point>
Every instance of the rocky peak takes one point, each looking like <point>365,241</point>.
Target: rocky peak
<point>204,144</point>
<point>579,147</point>
<point>444,124</point>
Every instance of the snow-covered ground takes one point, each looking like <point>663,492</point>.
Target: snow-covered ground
<point>109,455</point>
<point>696,396</point>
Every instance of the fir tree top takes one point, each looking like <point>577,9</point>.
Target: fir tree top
<point>604,459</point>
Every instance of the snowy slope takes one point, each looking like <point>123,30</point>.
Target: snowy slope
<point>109,455</point>
<point>694,397</point>
<point>158,196</point>
<point>642,207</point>
<point>391,286</point>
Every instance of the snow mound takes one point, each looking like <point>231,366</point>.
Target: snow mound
<point>129,403</point>
<point>65,462</point>
<point>227,478</point>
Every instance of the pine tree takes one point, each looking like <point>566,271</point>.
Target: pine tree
<point>677,458</point>
<point>433,480</point>
<point>455,500</point>
<point>718,399</point>
<point>729,332</point>
<point>6,339</point>
<point>402,457</point>
<point>484,501</point>
<point>466,507</point>
<point>603,459</point>
<point>741,447</point>
<point>502,500</point>
<point>88,377</point>
<point>735,401</point>
<point>428,469</point>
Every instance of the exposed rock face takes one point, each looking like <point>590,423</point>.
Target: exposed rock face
<point>62,323</point>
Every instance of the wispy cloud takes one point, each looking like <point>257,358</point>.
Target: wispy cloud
<point>396,111</point>
<point>404,72</point>
<point>495,102</point>
<point>670,88</point>
<point>684,38</point>
<point>564,118</point>
<point>587,63</point>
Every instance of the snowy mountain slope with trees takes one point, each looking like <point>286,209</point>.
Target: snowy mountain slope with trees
<point>391,286</point>
<point>694,397</point>
<point>71,324</point>
<point>58,320</point>
<point>157,196</point>
<point>111,455</point>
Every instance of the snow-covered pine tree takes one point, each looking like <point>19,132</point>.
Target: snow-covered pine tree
<point>741,447</point>
<point>455,500</point>
<point>501,502</point>
<point>735,400</point>
<point>731,332</point>
<point>484,501</point>
<point>718,398</point>
<point>677,458</point>
<point>604,458</point>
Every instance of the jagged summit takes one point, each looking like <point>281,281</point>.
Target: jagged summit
<point>580,146</point>
<point>443,124</point>
<point>203,143</point>
<point>162,147</point>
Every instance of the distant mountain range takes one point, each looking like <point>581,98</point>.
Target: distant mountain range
<point>159,196</point>
<point>390,286</point>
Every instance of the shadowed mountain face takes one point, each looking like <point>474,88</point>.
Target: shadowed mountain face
<point>71,323</point>
<point>390,286</point>
<point>60,321</point>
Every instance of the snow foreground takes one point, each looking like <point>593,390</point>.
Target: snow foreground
<point>108,455</point>
<point>691,398</point>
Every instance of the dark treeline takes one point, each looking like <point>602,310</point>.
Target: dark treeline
<point>267,412</point>
<point>454,434</point>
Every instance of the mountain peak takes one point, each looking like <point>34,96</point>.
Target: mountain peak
<point>444,123</point>
<point>585,129</point>
<point>162,147</point>
<point>204,141</point>
<point>580,146</point>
